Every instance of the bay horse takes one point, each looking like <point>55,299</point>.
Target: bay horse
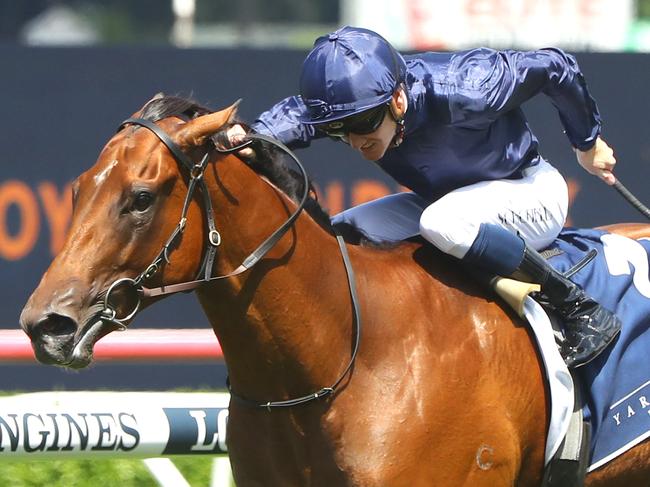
<point>447,388</point>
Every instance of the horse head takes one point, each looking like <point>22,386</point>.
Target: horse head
<point>125,208</point>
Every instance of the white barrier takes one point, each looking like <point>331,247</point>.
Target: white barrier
<point>112,423</point>
<point>108,424</point>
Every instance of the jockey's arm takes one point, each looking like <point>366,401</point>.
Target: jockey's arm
<point>512,77</point>
<point>280,122</point>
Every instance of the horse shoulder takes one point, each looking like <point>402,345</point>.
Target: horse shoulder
<point>445,361</point>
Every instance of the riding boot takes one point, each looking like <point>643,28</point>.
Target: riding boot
<point>588,327</point>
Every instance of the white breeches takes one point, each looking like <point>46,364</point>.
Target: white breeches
<point>535,207</point>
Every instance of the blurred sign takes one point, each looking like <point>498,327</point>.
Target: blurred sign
<point>595,25</point>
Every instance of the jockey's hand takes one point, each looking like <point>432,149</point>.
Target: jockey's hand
<point>236,135</point>
<point>599,161</point>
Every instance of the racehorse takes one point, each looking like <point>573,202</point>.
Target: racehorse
<point>446,388</point>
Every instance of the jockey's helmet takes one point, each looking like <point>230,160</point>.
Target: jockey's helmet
<point>347,72</point>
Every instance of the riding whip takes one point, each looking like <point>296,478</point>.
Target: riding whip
<point>633,200</point>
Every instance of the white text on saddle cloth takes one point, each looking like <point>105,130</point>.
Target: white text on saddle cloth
<point>620,252</point>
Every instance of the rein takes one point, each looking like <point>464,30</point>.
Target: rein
<point>108,314</point>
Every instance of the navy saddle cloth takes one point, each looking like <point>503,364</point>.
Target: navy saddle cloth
<point>616,384</point>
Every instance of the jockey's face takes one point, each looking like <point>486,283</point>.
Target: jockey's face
<point>374,145</point>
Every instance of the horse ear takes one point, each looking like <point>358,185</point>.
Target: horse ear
<point>194,132</point>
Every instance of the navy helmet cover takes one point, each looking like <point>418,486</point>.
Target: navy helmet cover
<point>347,72</point>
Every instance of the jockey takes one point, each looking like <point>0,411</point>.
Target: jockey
<point>449,127</point>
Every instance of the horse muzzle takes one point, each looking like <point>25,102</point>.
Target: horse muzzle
<point>53,337</point>
<point>63,330</point>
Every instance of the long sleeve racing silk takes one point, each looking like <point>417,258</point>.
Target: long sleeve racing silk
<point>464,123</point>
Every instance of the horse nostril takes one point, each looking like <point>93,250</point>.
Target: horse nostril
<point>54,325</point>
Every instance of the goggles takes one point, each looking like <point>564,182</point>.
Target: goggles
<point>362,123</point>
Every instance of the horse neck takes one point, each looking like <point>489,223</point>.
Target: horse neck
<point>284,325</point>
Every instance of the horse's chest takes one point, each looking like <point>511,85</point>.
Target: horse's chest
<point>342,446</point>
<point>279,448</point>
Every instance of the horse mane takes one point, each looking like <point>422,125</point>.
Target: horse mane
<point>269,162</point>
<point>163,106</point>
<point>272,163</point>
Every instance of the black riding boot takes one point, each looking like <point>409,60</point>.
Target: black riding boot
<point>588,327</point>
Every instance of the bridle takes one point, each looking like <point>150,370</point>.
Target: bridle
<point>109,315</point>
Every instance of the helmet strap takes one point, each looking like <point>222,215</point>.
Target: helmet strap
<point>398,138</point>
<point>398,116</point>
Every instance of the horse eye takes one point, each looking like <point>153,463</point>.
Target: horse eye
<point>142,201</point>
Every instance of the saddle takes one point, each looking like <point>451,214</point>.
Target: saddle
<point>612,389</point>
